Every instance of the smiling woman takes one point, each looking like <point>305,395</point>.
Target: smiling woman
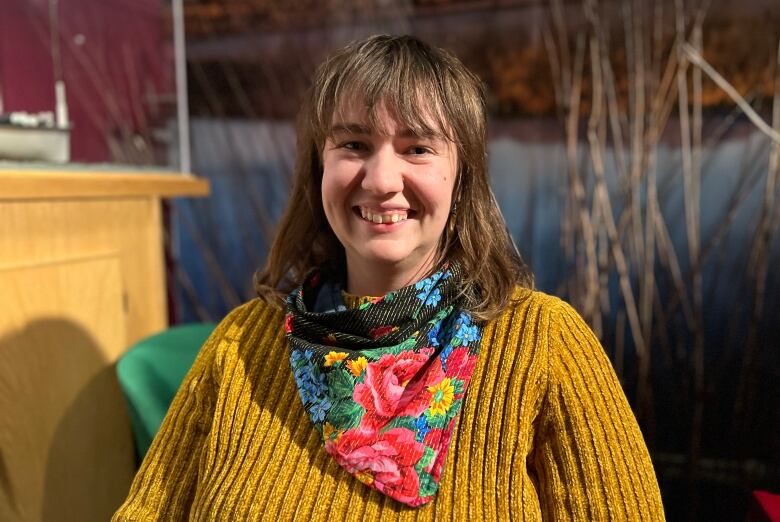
<point>380,101</point>
<point>387,196</point>
<point>419,376</point>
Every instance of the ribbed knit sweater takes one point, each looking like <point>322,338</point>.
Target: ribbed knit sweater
<point>545,433</point>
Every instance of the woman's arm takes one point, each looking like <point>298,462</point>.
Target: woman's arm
<point>165,484</point>
<point>590,456</point>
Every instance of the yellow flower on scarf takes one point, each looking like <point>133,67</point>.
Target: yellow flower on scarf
<point>329,431</point>
<point>441,397</point>
<point>364,477</point>
<point>357,366</point>
<point>334,357</point>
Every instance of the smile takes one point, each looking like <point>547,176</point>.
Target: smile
<point>385,217</point>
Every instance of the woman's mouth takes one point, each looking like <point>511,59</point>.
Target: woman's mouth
<point>384,217</point>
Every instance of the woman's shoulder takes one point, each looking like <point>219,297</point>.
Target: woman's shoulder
<point>557,326</point>
<point>549,316</point>
<point>248,328</point>
<point>532,301</point>
<point>248,316</point>
<point>253,307</point>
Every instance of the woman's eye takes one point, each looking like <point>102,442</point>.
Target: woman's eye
<point>419,150</point>
<point>353,145</point>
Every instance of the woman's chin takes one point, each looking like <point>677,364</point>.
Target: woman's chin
<point>384,259</point>
<point>383,254</point>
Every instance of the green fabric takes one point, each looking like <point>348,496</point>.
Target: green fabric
<point>150,374</point>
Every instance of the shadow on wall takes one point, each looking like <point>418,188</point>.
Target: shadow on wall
<point>66,450</point>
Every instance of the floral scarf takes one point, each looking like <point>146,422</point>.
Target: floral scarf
<point>384,383</point>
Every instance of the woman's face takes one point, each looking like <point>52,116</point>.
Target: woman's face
<point>386,195</point>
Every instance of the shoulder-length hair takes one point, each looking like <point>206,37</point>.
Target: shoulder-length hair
<point>424,86</point>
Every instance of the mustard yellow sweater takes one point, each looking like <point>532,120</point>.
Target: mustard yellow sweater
<point>545,433</point>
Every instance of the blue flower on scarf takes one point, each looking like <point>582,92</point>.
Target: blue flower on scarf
<point>433,334</point>
<point>457,331</point>
<point>301,375</point>
<point>444,355</point>
<point>425,287</point>
<point>304,381</point>
<point>429,293</point>
<point>463,319</point>
<point>469,334</point>
<point>434,297</point>
<point>312,385</point>
<point>305,397</point>
<point>421,427</point>
<point>319,410</point>
<point>464,330</point>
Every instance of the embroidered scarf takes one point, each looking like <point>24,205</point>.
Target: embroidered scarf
<point>384,383</point>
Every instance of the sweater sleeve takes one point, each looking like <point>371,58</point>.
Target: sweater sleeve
<point>164,487</point>
<point>591,460</point>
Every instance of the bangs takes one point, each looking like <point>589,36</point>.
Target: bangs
<point>408,83</point>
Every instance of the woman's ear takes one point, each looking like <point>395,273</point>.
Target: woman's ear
<point>456,188</point>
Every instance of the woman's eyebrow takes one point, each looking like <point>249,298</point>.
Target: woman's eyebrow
<point>363,129</point>
<point>350,128</point>
<point>424,133</point>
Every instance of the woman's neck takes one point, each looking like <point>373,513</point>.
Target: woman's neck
<point>377,279</point>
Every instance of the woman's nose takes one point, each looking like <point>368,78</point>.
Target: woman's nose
<point>384,172</point>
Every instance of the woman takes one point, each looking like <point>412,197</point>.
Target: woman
<point>412,372</point>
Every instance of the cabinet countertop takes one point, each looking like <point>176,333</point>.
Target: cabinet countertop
<point>52,182</point>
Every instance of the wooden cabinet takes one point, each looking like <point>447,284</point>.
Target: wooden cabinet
<point>81,279</point>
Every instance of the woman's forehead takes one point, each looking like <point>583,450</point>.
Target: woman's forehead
<point>355,116</point>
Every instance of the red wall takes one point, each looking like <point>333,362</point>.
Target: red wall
<point>117,60</point>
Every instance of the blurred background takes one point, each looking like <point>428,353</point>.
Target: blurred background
<point>634,150</point>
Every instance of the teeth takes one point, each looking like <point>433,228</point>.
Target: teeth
<point>390,217</point>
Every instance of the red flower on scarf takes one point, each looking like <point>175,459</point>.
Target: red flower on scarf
<point>379,331</point>
<point>288,323</point>
<point>393,388</point>
<point>438,438</point>
<point>385,461</point>
<point>461,363</point>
